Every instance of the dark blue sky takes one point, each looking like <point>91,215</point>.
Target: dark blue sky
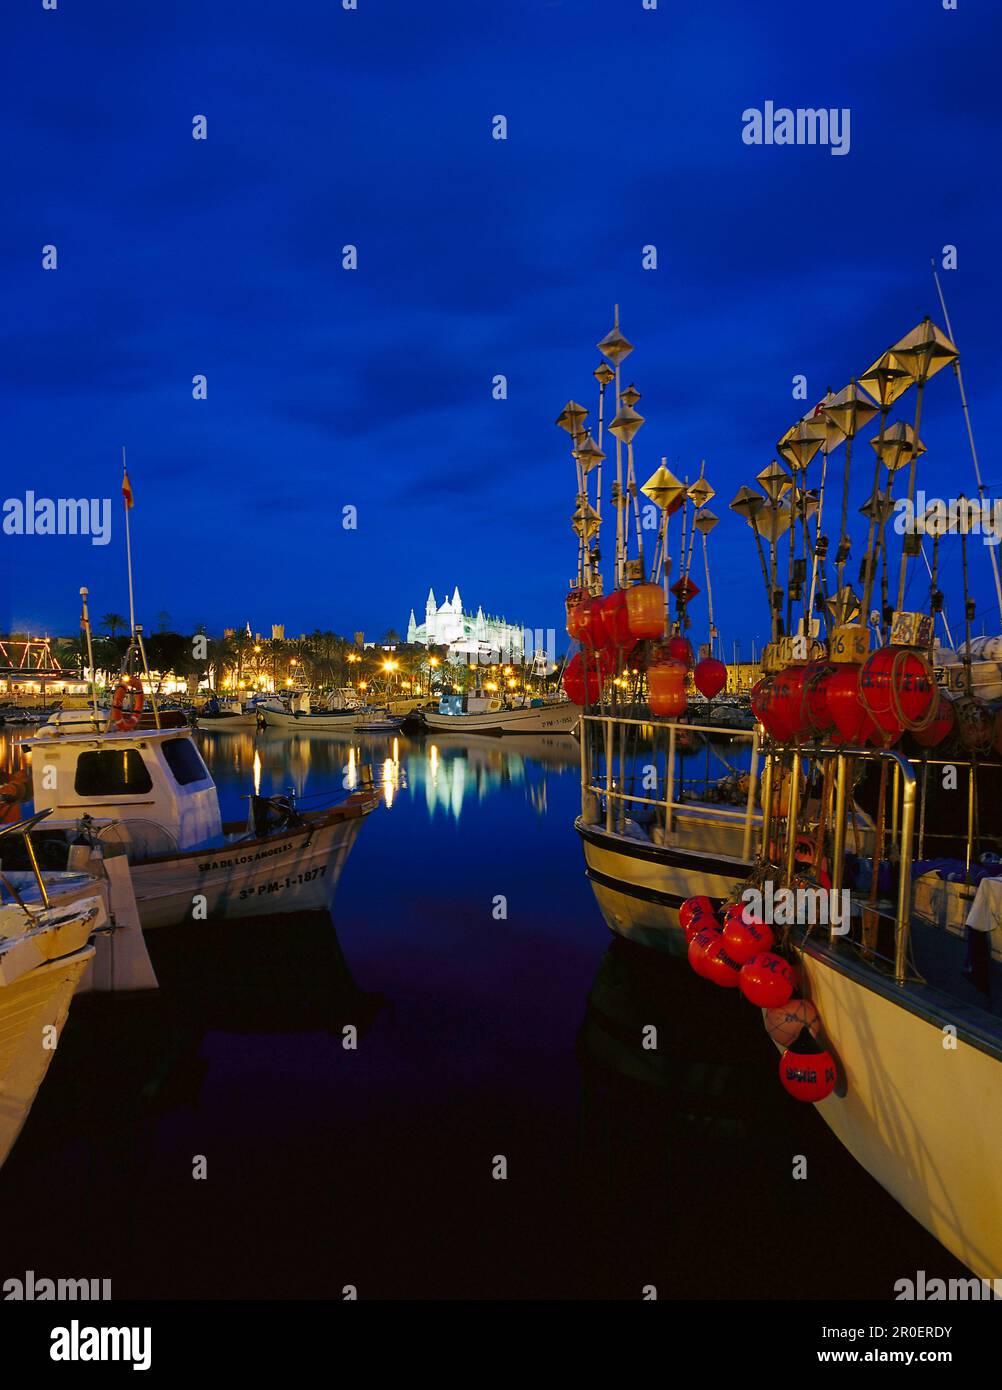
<point>476,257</point>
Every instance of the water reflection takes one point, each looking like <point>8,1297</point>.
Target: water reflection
<point>443,772</point>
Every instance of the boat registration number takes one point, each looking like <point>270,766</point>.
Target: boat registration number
<point>279,885</point>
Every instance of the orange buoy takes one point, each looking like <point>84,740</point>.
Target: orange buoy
<point>645,611</point>
<point>666,689</point>
<point>785,1022</point>
<point>127,704</point>
<point>573,603</point>
<point>767,980</point>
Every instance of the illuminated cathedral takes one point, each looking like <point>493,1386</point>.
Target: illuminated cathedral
<point>465,634</point>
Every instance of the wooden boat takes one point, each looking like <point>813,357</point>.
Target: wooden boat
<point>151,793</point>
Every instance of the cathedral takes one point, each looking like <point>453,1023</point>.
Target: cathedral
<point>465,634</point>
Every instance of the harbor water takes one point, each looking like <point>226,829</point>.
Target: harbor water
<point>499,1131</point>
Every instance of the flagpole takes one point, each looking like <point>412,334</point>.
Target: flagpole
<point>128,553</point>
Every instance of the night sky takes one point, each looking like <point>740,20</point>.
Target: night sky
<point>373,388</point>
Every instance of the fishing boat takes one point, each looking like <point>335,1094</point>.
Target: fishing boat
<point>225,715</point>
<point>377,721</point>
<point>885,1011</point>
<point>150,792</point>
<point>301,718</point>
<point>487,714</point>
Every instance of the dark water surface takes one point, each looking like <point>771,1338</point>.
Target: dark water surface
<point>478,1038</point>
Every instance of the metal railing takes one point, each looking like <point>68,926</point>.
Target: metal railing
<point>669,804</point>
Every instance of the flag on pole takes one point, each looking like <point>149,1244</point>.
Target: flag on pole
<point>127,490</point>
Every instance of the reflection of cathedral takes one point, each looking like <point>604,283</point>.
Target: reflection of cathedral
<point>464,633</point>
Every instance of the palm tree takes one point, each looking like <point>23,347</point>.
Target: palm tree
<point>112,622</point>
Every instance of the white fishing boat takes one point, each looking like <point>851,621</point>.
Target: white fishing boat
<point>150,792</point>
<point>225,715</point>
<point>487,714</point>
<point>301,718</point>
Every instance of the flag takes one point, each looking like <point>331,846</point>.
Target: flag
<point>127,491</point>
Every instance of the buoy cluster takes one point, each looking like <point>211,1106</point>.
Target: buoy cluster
<point>612,631</point>
<point>855,703</point>
<point>732,948</point>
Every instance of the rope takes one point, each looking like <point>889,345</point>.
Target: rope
<point>915,726</point>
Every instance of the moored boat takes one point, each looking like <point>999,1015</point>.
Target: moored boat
<point>892,1025</point>
<point>151,793</point>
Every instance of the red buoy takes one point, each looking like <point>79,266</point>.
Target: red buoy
<point>785,1023</point>
<point>680,649</point>
<point>806,1070</point>
<point>582,682</point>
<point>588,621</point>
<point>702,942</point>
<point>897,689</point>
<point>785,703</point>
<point>695,908</point>
<point>852,723</point>
<point>719,967</point>
<point>746,936</point>
<point>767,980</point>
<point>941,724</point>
<point>616,622</point>
<point>818,721</point>
<point>710,677</point>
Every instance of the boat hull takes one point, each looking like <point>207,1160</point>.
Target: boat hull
<point>309,723</point>
<point>226,721</point>
<point>923,1116</point>
<point>291,871</point>
<point>545,719</point>
<point>36,1001</point>
<point>639,887</point>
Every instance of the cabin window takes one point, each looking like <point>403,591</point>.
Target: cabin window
<point>118,772</point>
<point>184,761</point>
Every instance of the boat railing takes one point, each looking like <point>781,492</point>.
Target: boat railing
<point>23,828</point>
<point>617,799</point>
<point>901,833</point>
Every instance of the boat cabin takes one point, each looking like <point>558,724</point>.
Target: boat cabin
<point>469,704</point>
<point>154,776</point>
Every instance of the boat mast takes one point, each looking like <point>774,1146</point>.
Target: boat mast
<point>970,432</point>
